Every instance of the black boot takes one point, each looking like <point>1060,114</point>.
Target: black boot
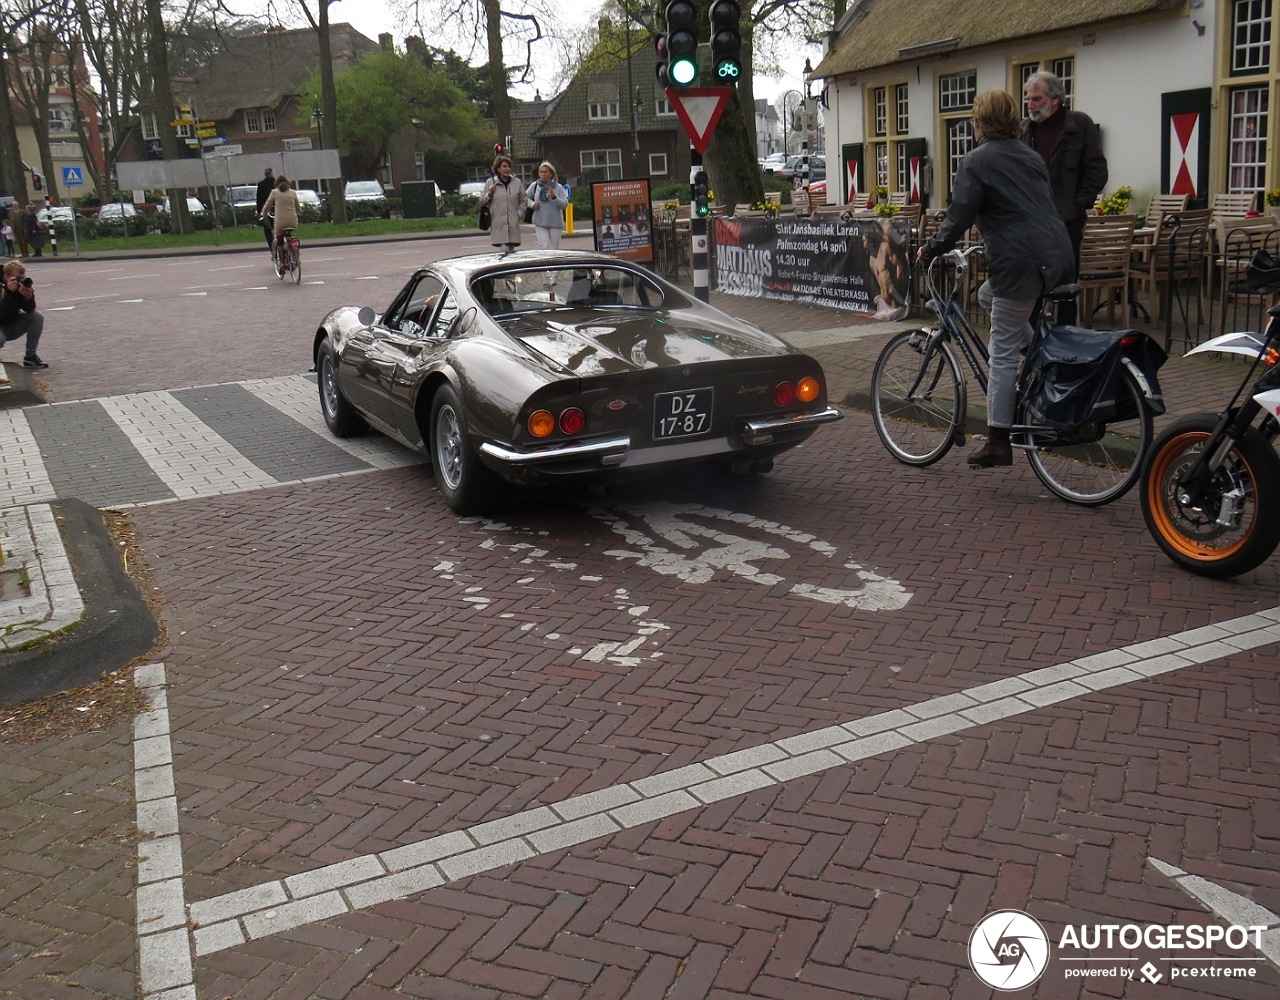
<point>997,452</point>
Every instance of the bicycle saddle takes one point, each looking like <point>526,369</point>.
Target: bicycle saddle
<point>1263,274</point>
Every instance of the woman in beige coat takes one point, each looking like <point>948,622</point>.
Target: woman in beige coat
<point>283,204</point>
<point>504,195</point>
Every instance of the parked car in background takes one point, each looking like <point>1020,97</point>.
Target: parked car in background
<point>554,366</point>
<point>368,191</point>
<point>773,162</point>
<point>241,197</point>
<point>58,215</point>
<point>113,217</point>
<point>308,197</point>
<point>473,188</point>
<point>807,168</point>
<point>194,205</point>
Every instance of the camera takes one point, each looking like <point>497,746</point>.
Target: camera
<point>25,281</point>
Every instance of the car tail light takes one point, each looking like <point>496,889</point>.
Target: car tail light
<point>541,423</point>
<point>572,421</point>
<point>807,390</point>
<point>784,394</point>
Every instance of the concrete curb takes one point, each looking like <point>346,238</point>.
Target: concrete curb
<point>116,625</point>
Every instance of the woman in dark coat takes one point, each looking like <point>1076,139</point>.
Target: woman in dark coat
<point>1003,186</point>
<point>504,195</point>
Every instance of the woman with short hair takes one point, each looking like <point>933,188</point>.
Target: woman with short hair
<point>1003,185</point>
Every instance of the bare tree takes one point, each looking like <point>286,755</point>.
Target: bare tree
<point>518,23</point>
<point>41,59</point>
<point>13,21</point>
<point>318,18</point>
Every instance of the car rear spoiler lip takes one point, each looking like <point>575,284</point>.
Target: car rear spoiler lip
<point>758,432</point>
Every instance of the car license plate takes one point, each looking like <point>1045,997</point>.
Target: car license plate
<point>682,414</point>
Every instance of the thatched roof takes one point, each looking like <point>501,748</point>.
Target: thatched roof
<point>262,71</point>
<point>874,32</point>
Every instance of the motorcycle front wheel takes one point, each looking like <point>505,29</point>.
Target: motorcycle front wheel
<point>1227,529</point>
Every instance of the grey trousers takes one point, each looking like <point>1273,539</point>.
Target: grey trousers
<point>29,325</point>
<point>1010,333</point>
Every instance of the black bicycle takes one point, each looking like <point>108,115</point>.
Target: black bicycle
<point>1085,399</point>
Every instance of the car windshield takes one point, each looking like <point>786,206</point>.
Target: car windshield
<point>243,194</point>
<point>553,288</point>
<point>116,208</point>
<point>363,187</point>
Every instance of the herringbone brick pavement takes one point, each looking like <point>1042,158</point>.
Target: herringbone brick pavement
<point>408,674</point>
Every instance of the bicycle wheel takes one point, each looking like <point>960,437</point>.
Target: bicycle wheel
<point>1222,530</point>
<point>1094,464</point>
<point>295,259</point>
<point>916,407</point>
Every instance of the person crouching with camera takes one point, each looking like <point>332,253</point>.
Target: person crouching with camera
<point>19,316</point>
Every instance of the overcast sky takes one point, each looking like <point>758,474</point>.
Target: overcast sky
<point>373,17</point>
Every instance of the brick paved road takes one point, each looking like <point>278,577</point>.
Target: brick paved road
<point>353,670</point>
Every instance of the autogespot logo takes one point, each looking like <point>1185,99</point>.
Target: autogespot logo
<point>1008,950</point>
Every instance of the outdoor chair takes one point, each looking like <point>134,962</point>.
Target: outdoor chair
<point>1105,247</point>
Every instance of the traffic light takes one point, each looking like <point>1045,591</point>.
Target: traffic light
<point>726,41</point>
<point>682,42</point>
<point>664,61</point>
<point>701,194</point>
<point>36,181</point>
<point>499,149</point>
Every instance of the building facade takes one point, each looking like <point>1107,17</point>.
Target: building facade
<point>1182,91</point>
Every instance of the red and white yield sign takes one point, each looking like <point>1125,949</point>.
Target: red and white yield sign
<point>699,110</point>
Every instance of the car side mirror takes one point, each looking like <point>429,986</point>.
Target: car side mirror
<point>366,316</point>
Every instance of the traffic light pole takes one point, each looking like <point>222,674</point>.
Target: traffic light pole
<point>700,255</point>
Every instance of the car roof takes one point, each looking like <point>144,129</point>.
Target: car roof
<point>470,266</point>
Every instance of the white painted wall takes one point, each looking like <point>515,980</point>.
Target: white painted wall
<point>1121,74</point>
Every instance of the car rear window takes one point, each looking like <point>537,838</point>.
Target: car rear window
<point>549,289</point>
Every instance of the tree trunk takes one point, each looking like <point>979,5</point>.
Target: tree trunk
<point>731,158</point>
<point>15,178</point>
<point>329,127</point>
<point>164,104</point>
<point>497,68</point>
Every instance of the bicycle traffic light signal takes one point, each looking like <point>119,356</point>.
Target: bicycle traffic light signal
<point>36,181</point>
<point>726,41</point>
<point>701,194</point>
<point>682,42</point>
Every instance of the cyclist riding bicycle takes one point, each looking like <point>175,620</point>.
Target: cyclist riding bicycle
<point>282,203</point>
<point>1006,191</point>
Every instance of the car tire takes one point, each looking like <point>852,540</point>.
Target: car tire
<point>339,416</point>
<point>466,485</point>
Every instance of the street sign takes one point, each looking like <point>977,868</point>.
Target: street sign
<point>229,150</point>
<point>205,133</point>
<point>699,110</point>
<point>182,121</point>
<point>72,177</point>
<point>298,144</point>
<point>217,140</point>
<point>206,124</point>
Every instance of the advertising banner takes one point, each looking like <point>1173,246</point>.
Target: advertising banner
<point>620,216</point>
<point>859,264</point>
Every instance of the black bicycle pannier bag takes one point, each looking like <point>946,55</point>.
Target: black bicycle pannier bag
<point>1073,376</point>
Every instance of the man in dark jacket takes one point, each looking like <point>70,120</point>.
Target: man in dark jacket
<point>1071,146</point>
<point>265,187</point>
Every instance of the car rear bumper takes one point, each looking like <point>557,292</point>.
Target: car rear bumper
<point>617,452</point>
<point>761,432</point>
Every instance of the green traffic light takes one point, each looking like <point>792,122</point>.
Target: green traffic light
<point>683,71</point>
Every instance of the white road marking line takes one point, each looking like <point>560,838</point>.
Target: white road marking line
<point>164,945</point>
<point>296,397</point>
<point>197,295</point>
<point>360,882</point>
<point>23,477</point>
<point>185,452</point>
<point>134,277</point>
<point>1230,906</point>
<point>129,301</point>
<point>58,309</point>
